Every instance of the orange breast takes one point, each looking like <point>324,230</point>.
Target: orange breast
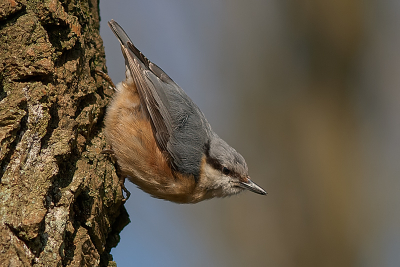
<point>130,135</point>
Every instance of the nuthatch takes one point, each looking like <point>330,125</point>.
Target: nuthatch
<point>161,140</point>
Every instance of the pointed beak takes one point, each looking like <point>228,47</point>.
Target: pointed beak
<point>250,185</point>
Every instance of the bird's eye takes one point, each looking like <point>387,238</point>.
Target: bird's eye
<point>226,171</point>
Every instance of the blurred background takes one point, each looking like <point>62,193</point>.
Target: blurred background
<point>309,93</point>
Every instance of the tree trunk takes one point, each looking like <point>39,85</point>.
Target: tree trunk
<point>60,199</point>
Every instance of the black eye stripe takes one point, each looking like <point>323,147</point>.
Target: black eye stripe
<point>226,171</point>
<point>216,164</point>
<point>213,162</point>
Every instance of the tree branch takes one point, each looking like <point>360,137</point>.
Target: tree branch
<point>60,199</point>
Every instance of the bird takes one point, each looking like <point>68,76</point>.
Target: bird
<point>161,140</point>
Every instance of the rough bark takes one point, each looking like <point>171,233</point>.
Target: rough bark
<point>60,199</point>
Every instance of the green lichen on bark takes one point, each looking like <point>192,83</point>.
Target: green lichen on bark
<point>60,199</point>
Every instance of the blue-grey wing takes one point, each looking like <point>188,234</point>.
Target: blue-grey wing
<point>179,127</point>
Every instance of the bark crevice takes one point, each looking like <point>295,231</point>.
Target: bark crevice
<point>60,198</point>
